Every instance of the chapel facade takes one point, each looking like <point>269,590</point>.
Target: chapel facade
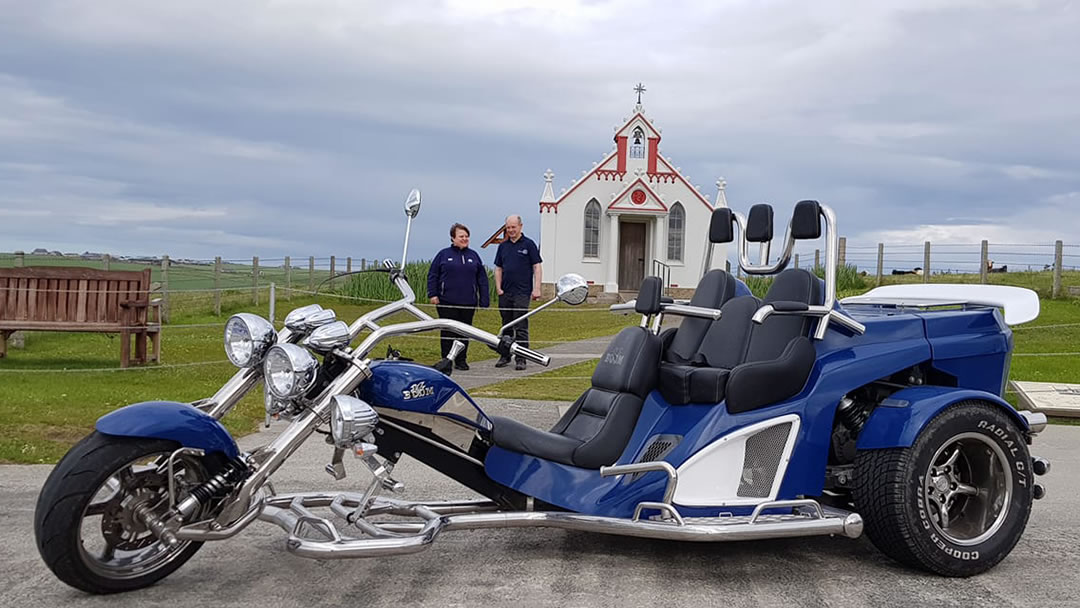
<point>632,215</point>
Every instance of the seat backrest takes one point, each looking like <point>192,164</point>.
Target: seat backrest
<point>714,289</point>
<point>726,341</point>
<point>603,418</point>
<point>768,340</point>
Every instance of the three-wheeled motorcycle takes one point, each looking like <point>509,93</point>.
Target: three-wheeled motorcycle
<point>791,415</point>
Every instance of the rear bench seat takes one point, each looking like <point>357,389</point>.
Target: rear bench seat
<point>749,365</point>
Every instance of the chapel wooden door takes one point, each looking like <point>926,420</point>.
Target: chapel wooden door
<point>631,255</point>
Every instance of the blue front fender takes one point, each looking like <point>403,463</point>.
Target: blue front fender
<point>178,422</point>
<point>899,419</point>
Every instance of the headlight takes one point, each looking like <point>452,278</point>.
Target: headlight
<point>290,370</point>
<point>247,337</point>
<point>309,317</point>
<point>351,420</point>
<point>328,337</point>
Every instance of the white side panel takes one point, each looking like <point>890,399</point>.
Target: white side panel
<point>711,477</point>
<point>1021,305</point>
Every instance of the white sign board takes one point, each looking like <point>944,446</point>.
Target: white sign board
<point>1050,398</point>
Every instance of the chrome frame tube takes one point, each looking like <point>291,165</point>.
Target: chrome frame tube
<point>292,512</point>
<point>744,253</point>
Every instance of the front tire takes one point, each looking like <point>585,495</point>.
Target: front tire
<point>957,501</point>
<point>105,476</point>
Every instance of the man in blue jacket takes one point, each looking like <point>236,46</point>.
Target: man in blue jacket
<point>517,280</point>
<point>457,282</point>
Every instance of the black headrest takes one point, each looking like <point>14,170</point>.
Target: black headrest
<point>648,298</point>
<point>796,285</point>
<point>715,288</point>
<point>806,221</point>
<point>720,230</point>
<point>759,223</point>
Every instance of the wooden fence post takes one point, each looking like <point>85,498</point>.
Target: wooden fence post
<point>20,259</point>
<point>842,261</point>
<point>348,265</point>
<point>880,263</point>
<point>817,259</point>
<point>1058,246</point>
<point>165,289</point>
<point>255,280</point>
<point>217,286</point>
<point>796,260</point>
<point>926,262</point>
<point>363,264</point>
<point>984,261</point>
<point>105,261</point>
<point>273,302</point>
<point>332,272</point>
<point>311,273</point>
<point>288,278</point>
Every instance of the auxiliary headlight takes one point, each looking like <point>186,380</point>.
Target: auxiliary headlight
<point>247,337</point>
<point>290,370</point>
<point>309,317</point>
<point>351,420</point>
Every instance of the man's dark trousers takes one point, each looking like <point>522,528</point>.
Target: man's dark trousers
<point>463,314</point>
<point>512,306</point>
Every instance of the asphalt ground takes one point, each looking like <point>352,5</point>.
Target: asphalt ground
<point>550,567</point>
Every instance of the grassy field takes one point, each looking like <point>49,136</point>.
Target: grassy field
<point>53,389</point>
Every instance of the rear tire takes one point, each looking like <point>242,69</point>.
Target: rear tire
<point>957,501</point>
<point>64,520</point>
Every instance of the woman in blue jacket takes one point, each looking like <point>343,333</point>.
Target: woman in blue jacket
<point>457,282</point>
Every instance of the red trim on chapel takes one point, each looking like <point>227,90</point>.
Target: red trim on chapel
<point>632,207</point>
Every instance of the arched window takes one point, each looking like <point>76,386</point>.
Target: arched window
<point>676,225</point>
<point>591,247</point>
<point>637,144</point>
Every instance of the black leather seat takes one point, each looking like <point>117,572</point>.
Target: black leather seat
<point>681,343</point>
<point>767,363</point>
<point>595,430</point>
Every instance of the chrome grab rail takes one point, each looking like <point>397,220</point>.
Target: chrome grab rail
<point>811,311</point>
<point>666,508</point>
<point>676,308</point>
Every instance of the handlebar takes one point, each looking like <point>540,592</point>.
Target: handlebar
<point>531,355</point>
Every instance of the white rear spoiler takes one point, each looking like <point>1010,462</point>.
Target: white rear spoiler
<point>1021,305</point>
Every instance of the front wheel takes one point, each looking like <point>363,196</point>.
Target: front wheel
<point>957,501</point>
<point>85,523</point>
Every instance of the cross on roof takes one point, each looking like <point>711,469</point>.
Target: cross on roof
<point>639,89</point>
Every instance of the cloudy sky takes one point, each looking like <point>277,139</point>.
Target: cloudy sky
<point>296,127</point>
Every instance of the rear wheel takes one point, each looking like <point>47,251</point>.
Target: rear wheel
<point>957,501</point>
<point>85,523</point>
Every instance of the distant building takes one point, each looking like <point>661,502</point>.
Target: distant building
<point>633,215</point>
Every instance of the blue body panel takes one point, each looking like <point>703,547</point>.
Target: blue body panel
<point>897,421</point>
<point>844,363</point>
<point>180,422</point>
<point>411,387</point>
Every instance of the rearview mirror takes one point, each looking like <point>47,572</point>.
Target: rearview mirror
<point>571,289</point>
<point>412,203</point>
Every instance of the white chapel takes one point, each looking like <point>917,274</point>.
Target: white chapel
<point>632,215</point>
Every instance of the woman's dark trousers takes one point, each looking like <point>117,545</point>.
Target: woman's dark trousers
<point>463,314</point>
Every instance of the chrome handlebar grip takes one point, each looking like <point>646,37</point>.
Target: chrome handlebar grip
<point>532,355</point>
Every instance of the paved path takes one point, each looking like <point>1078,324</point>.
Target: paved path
<point>537,567</point>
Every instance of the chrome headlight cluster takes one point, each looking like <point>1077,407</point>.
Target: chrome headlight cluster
<point>351,421</point>
<point>290,370</point>
<point>247,337</point>
<point>309,317</point>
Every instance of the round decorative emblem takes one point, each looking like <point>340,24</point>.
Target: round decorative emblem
<point>637,197</point>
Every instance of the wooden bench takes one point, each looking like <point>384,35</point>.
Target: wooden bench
<point>66,298</point>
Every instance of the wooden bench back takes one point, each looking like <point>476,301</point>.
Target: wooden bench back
<point>70,295</point>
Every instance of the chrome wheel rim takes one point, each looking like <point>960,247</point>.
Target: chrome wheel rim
<point>968,489</point>
<point>113,542</point>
